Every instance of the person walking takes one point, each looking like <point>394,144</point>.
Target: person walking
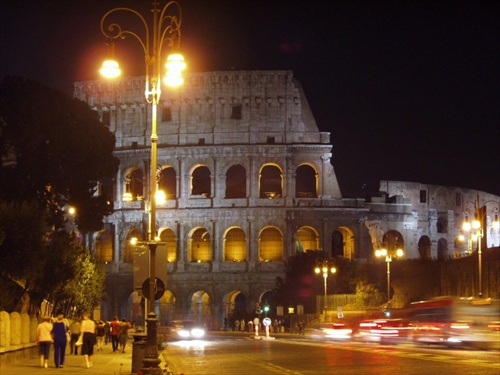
<point>88,331</point>
<point>242,325</point>
<point>60,330</point>
<point>44,340</point>
<point>74,329</point>
<point>115,331</point>
<point>107,333</point>
<point>123,335</point>
<point>101,331</point>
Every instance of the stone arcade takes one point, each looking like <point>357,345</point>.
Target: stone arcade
<point>249,180</point>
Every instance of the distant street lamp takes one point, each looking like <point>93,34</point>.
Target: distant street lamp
<point>475,228</point>
<point>325,266</point>
<point>164,31</point>
<point>388,259</point>
<point>72,214</point>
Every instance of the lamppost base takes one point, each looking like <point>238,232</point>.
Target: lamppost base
<point>151,362</point>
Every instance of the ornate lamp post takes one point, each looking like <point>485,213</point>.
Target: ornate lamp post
<point>388,259</point>
<point>164,31</point>
<point>475,228</point>
<point>325,266</point>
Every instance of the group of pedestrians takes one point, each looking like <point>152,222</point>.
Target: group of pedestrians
<point>85,334</point>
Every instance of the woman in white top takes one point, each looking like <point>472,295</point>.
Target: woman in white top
<point>87,328</point>
<point>44,340</point>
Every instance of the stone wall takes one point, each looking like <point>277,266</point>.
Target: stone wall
<point>17,337</point>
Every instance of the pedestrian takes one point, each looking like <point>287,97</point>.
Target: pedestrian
<point>100,332</point>
<point>115,330</point>
<point>74,329</point>
<point>107,335</point>
<point>60,330</point>
<point>237,325</point>
<point>276,326</point>
<point>123,335</point>
<point>44,340</point>
<point>242,325</point>
<point>88,331</point>
<point>250,326</point>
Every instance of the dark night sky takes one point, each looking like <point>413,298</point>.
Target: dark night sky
<point>408,89</point>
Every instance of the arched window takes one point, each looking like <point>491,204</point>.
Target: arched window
<point>167,182</point>
<point>200,181</point>
<point>235,245</point>
<point>128,254</point>
<point>236,182</point>
<point>104,247</point>
<point>306,184</point>
<point>424,247</point>
<point>168,236</point>
<point>270,245</point>
<point>306,239</point>
<point>134,184</point>
<point>200,246</point>
<point>271,182</point>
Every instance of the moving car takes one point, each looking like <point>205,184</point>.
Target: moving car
<point>329,331</point>
<point>384,330</point>
<point>185,329</point>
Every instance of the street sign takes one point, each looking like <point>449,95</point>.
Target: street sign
<point>159,288</point>
<point>267,322</point>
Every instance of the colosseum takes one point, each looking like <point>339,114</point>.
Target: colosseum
<point>249,181</point>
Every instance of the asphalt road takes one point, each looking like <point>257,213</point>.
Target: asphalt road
<point>241,354</point>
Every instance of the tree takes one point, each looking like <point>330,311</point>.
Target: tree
<point>55,151</point>
<point>22,251</point>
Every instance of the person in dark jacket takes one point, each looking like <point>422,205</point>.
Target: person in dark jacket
<point>60,330</point>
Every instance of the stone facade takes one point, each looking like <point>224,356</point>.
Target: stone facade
<point>249,181</point>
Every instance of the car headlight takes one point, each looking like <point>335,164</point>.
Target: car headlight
<point>183,333</point>
<point>197,332</point>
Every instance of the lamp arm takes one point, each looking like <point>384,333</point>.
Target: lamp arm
<point>171,32</point>
<point>115,30</point>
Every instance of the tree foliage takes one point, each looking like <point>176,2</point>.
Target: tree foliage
<point>54,151</point>
<point>301,284</point>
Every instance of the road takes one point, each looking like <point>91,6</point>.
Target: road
<point>241,354</point>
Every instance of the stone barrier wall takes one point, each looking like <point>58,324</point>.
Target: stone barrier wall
<point>17,337</point>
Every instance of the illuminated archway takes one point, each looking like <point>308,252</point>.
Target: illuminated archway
<point>307,239</point>
<point>270,245</point>
<point>235,245</point>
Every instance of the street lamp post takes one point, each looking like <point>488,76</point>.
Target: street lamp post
<point>388,259</point>
<point>165,30</point>
<point>477,233</point>
<point>325,266</point>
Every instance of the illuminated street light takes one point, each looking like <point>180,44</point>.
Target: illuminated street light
<point>476,230</point>
<point>325,266</point>
<point>388,259</point>
<point>164,31</point>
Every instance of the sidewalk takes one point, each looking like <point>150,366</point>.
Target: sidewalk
<point>106,362</point>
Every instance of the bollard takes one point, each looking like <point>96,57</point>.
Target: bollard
<point>138,352</point>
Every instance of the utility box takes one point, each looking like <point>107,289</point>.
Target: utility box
<point>138,352</point>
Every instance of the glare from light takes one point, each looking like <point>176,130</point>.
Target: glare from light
<point>110,69</point>
<point>175,65</point>
<point>160,196</point>
<point>476,224</point>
